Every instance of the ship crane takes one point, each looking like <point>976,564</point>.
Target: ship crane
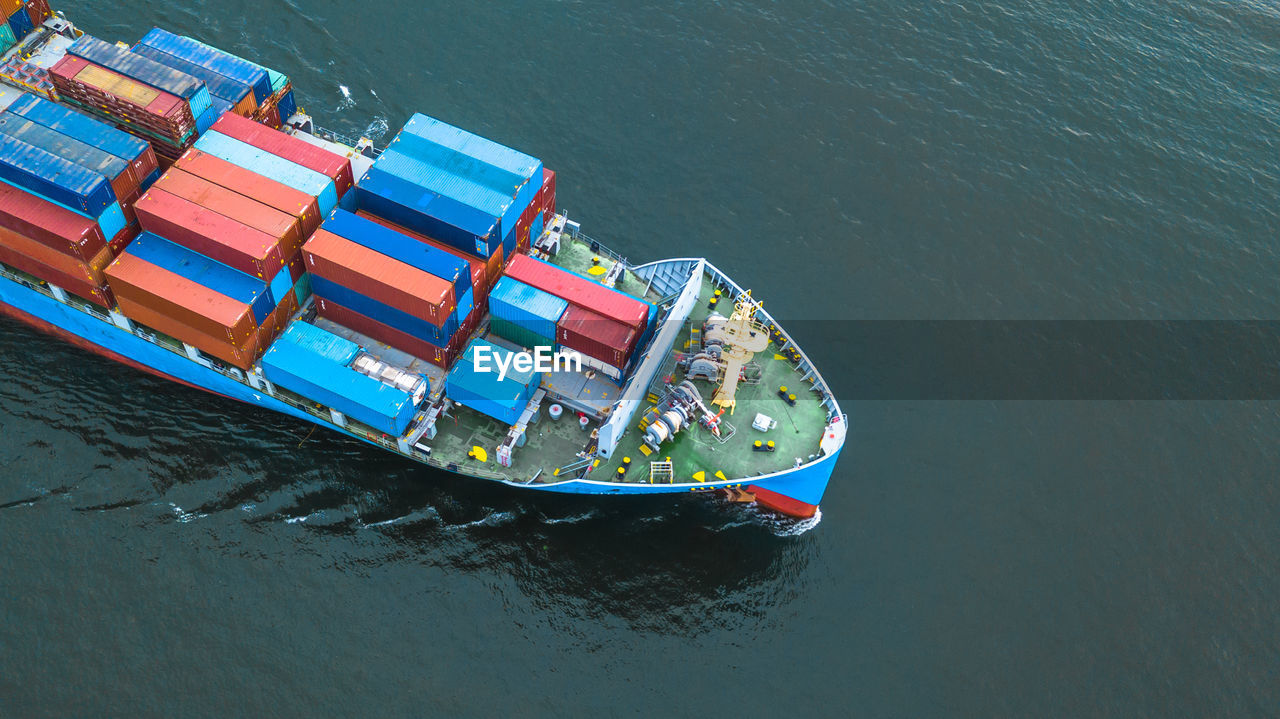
<point>742,338</point>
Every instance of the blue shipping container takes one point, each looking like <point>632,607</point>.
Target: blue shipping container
<point>401,247</point>
<point>268,165</point>
<point>387,315</point>
<point>503,400</point>
<point>287,106</point>
<point>148,72</point>
<point>281,285</point>
<point>56,143</point>
<point>339,350</point>
<point>223,63</point>
<point>526,306</point>
<point>217,107</point>
<point>233,91</point>
<point>427,213</point>
<point>459,189</point>
<point>20,23</point>
<point>466,303</point>
<point>81,127</point>
<point>455,175</point>
<point>54,178</point>
<point>151,179</point>
<point>302,288</point>
<point>357,396</point>
<point>535,229</point>
<point>206,272</point>
<point>481,148</point>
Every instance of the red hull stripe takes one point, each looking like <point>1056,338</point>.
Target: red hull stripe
<point>783,503</point>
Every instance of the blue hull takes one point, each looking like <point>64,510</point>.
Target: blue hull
<point>805,484</point>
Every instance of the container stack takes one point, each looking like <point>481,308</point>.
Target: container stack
<point>278,105</point>
<point>316,364</point>
<point>602,324</point>
<point>20,19</point>
<point>502,399</point>
<point>234,84</point>
<point>391,287</point>
<point>453,186</point>
<point>523,314</point>
<point>140,95</point>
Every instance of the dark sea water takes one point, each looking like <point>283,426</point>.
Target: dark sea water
<point>167,552</point>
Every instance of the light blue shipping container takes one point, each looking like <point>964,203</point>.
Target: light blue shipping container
<point>68,148</point>
<point>148,72</point>
<point>7,39</point>
<point>281,285</point>
<point>503,400</point>
<point>401,247</point>
<point>268,165</point>
<point>466,303</point>
<point>80,126</point>
<point>357,396</point>
<point>204,271</point>
<point>535,229</point>
<point>217,108</point>
<point>427,213</point>
<point>526,306</point>
<point>52,177</point>
<point>468,143</point>
<point>447,184</point>
<point>220,61</point>
<point>386,314</point>
<point>336,349</point>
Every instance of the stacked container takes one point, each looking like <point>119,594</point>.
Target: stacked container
<point>502,399</point>
<point>523,314</point>
<point>19,19</point>
<point>234,84</point>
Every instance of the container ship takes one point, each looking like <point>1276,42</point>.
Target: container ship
<point>167,205</point>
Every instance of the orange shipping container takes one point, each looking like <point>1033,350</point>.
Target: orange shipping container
<point>242,209</point>
<point>187,303</point>
<point>241,356</point>
<point>374,275</point>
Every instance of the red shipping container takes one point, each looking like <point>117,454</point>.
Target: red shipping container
<point>76,76</point>
<point>548,194</point>
<point>439,356</point>
<point>189,303</point>
<point>595,336</point>
<point>250,184</point>
<point>245,210</point>
<point>123,238</point>
<point>50,224</point>
<point>211,234</point>
<point>38,11</point>
<point>377,276</point>
<point>297,267</point>
<point>90,271</point>
<point>479,274</point>
<point>334,166</point>
<point>76,282</point>
<point>579,290</point>
<point>242,355</point>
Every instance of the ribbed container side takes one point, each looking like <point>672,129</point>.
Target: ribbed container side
<point>50,224</point>
<point>401,247</point>
<point>178,298</point>
<point>579,290</point>
<point>136,152</point>
<point>423,211</point>
<point>380,277</point>
<point>469,189</point>
<point>214,275</point>
<point>288,106</point>
<point>7,39</point>
<point>115,170</point>
<point>493,153</point>
<point>287,229</point>
<point>302,288</point>
<point>275,194</point>
<point>518,303</point>
<point>39,11</point>
<point>607,340</point>
<point>86,271</point>
<point>479,281</point>
<point>373,329</point>
<point>521,336</point>
<point>548,193</point>
<point>356,395</point>
<point>21,24</point>
<point>75,284</point>
<point>384,313</point>
<point>461,165</point>
<point>502,399</point>
<point>333,166</point>
<point>53,177</point>
<point>280,286</point>
<point>209,233</point>
<point>217,108</point>
<point>217,60</point>
<point>339,350</point>
<point>277,168</point>
<point>157,113</point>
<point>143,70</point>
<point>220,86</point>
<point>240,355</point>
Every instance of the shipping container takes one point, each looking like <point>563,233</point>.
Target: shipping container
<point>86,271</point>
<point>123,238</point>
<point>50,224</point>
<point>400,246</point>
<point>454,176</point>
<point>216,60</point>
<point>425,212</point>
<point>230,90</point>
<point>252,185</point>
<point>379,277</point>
<point>333,166</point>
<point>441,356</point>
<point>287,106</point>
<point>96,89</point>
<point>39,11</point>
<point>144,70</point>
<point>178,298</point>
<point>503,399</point>
<point>302,288</point>
<point>277,168</point>
<point>281,286</point>
<point>548,194</point>
<point>245,210</point>
<point>240,355</point>
<point>75,284</point>
<point>472,145</point>
<point>579,290</point>
<point>479,274</point>
<point>20,22</point>
<point>209,233</point>
<point>214,275</point>
<point>339,350</point>
<point>358,396</point>
<point>116,171</point>
<point>53,177</point>
<point>607,340</point>
<point>89,130</point>
<point>7,39</point>
<point>217,108</point>
<point>529,308</point>
<point>391,316</point>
